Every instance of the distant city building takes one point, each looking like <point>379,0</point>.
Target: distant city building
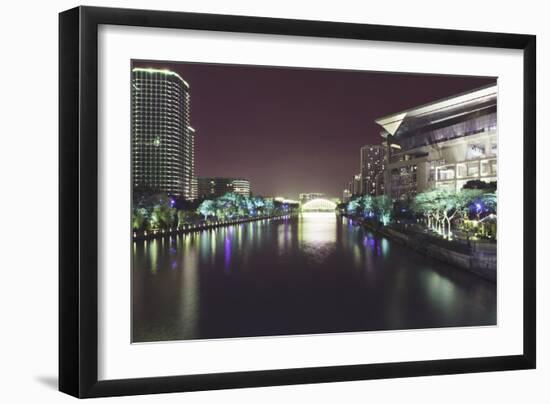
<point>372,164</point>
<point>346,195</point>
<point>380,188</point>
<point>163,142</point>
<point>441,145</point>
<point>282,199</point>
<point>306,197</point>
<point>213,187</point>
<point>241,187</point>
<point>356,186</point>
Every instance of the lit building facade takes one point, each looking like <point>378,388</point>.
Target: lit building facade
<point>441,145</point>
<point>191,173</point>
<point>346,195</point>
<point>213,187</point>
<point>373,159</point>
<point>356,185</point>
<point>163,142</point>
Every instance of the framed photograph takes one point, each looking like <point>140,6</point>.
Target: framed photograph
<point>251,201</point>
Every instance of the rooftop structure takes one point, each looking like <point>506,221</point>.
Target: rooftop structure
<point>443,144</point>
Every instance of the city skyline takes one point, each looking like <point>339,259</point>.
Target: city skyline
<point>278,127</point>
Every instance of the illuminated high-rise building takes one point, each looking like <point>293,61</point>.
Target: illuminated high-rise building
<point>190,163</point>
<point>372,169</point>
<point>163,142</point>
<point>346,195</point>
<point>356,185</point>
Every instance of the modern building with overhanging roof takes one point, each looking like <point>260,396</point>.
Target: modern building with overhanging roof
<point>163,142</point>
<point>443,144</point>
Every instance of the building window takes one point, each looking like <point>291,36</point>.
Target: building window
<point>473,169</point>
<point>446,173</point>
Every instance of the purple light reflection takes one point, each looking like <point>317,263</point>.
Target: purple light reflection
<point>227,251</point>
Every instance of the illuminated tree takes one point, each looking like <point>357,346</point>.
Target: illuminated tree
<point>226,206</point>
<point>441,207</point>
<point>490,201</point>
<point>139,218</point>
<point>207,208</point>
<point>382,207</point>
<point>258,202</point>
<point>353,207</point>
<point>454,204</point>
<point>184,217</point>
<point>269,206</point>
<point>163,217</point>
<point>233,205</point>
<point>366,205</point>
<point>429,205</point>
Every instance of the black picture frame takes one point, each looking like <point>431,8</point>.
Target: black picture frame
<point>78,192</point>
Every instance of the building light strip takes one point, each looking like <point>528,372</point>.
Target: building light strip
<point>160,71</point>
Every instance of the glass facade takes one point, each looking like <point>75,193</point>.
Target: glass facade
<point>442,145</point>
<point>466,127</point>
<point>454,176</point>
<point>403,182</point>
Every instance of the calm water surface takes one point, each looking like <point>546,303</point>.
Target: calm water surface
<point>316,273</point>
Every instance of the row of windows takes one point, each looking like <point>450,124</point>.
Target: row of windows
<point>155,171</point>
<point>148,160</point>
<point>150,86</point>
<point>155,79</point>
<point>155,114</point>
<point>160,122</point>
<point>143,96</point>
<point>160,103</point>
<point>155,145</point>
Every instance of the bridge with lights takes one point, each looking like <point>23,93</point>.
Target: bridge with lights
<point>319,205</point>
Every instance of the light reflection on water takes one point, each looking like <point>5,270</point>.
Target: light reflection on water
<point>315,273</point>
<point>190,292</point>
<point>317,234</point>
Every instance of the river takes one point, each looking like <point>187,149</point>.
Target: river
<point>315,273</point>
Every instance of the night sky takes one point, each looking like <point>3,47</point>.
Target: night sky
<point>293,130</point>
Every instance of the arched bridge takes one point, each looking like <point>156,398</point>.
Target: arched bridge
<point>319,205</point>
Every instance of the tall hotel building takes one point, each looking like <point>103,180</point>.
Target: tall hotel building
<point>163,142</point>
<point>372,169</point>
<point>442,145</point>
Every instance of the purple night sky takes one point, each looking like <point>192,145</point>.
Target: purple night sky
<point>292,130</point>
